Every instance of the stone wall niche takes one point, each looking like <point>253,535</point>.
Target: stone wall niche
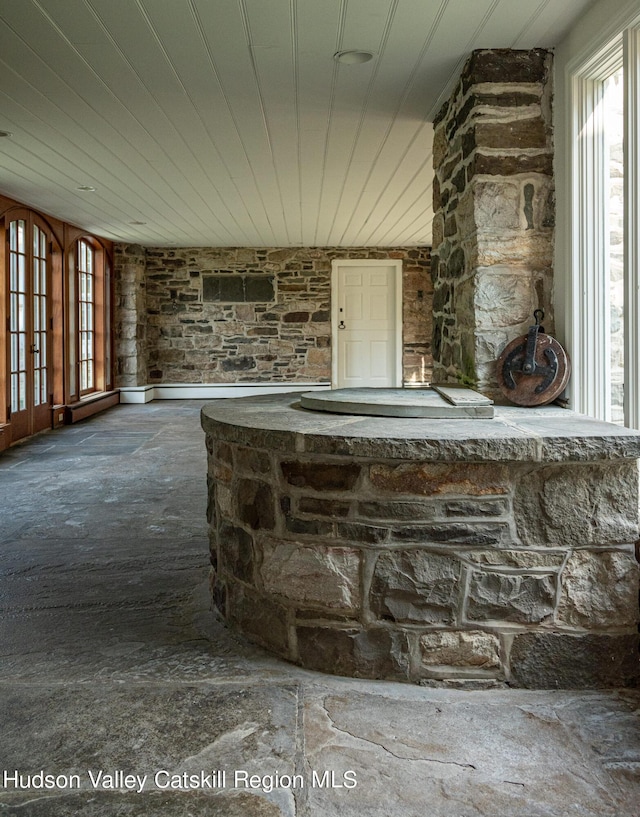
<point>494,212</point>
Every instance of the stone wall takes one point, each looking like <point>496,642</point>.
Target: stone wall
<point>250,315</point>
<point>469,572</point>
<point>494,212</point>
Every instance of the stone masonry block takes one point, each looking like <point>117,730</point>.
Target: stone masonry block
<point>498,65</point>
<point>259,618</point>
<point>520,559</point>
<point>484,164</point>
<point>562,661</point>
<point>396,510</point>
<point>318,575</point>
<point>321,476</point>
<point>415,586</point>
<point>504,297</point>
<point>236,551</point>
<point>454,533</point>
<point>578,505</point>
<point>460,648</point>
<point>470,507</point>
<point>497,205</point>
<point>430,479</point>
<point>530,250</point>
<point>508,597</point>
<point>252,461</point>
<point>255,504</point>
<point>520,134</point>
<point>375,653</point>
<point>318,506</point>
<point>599,589</point>
<point>308,527</point>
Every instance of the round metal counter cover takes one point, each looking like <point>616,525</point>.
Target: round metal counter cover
<point>438,402</point>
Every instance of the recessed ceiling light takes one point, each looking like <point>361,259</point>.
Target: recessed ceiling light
<point>5,133</point>
<point>352,57</point>
<point>86,188</point>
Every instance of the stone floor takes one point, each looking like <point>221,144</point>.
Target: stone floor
<point>113,667</point>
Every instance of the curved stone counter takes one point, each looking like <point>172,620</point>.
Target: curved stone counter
<point>463,551</point>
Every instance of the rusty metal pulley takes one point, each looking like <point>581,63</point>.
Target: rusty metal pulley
<point>533,369</point>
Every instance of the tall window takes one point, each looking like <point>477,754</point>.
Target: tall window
<point>604,310</point>
<point>40,317</point>
<point>86,317</point>
<point>613,100</point>
<point>18,329</point>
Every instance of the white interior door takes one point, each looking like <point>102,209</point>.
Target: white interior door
<point>367,329</point>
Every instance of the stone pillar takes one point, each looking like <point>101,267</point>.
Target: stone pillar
<point>494,212</point>
<point>130,315</point>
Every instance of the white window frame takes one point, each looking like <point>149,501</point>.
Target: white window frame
<point>585,287</point>
<point>632,227</point>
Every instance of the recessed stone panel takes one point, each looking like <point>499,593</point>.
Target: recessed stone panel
<point>237,288</point>
<point>259,289</point>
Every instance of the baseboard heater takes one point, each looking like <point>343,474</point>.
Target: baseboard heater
<point>90,405</point>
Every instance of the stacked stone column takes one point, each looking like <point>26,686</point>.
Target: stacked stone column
<point>494,212</point>
<point>130,315</point>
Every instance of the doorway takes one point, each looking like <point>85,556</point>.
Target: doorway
<point>29,326</point>
<point>366,323</point>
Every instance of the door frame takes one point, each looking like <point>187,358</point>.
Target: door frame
<point>36,417</point>
<point>396,264</point>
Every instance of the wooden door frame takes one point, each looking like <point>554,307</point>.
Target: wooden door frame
<point>38,417</point>
<point>396,264</point>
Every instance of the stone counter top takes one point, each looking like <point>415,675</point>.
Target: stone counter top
<point>548,434</point>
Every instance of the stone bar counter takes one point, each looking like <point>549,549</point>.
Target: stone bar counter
<point>466,552</point>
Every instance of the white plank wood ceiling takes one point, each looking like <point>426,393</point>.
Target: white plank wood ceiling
<point>229,123</point>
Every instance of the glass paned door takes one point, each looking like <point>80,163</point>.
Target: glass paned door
<point>86,287</point>
<point>28,329</point>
